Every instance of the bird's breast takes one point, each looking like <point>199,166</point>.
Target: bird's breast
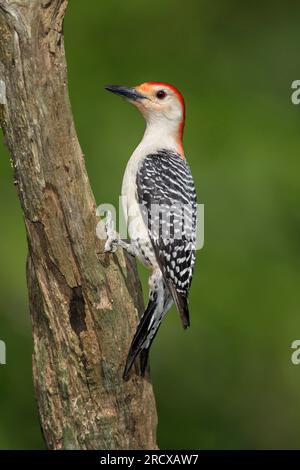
<point>130,205</point>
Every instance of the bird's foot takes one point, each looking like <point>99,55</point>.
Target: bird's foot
<point>111,245</point>
<point>112,241</point>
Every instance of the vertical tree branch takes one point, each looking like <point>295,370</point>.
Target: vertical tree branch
<point>84,305</point>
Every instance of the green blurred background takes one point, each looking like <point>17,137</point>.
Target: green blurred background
<point>228,382</point>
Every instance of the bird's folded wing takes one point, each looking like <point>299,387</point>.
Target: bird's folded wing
<point>167,198</point>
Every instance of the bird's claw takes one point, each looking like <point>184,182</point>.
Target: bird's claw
<point>111,245</point>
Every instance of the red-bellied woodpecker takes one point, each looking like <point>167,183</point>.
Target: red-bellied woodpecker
<point>159,203</point>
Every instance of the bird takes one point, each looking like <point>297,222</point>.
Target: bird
<point>160,207</point>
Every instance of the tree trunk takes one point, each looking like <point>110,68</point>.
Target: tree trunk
<point>84,305</point>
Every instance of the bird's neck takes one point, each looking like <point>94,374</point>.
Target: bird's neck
<point>162,135</point>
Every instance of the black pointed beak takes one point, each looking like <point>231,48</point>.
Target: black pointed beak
<point>127,92</point>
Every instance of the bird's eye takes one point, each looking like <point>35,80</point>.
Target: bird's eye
<point>161,94</point>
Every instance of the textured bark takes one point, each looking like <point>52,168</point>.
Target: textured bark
<point>84,305</point>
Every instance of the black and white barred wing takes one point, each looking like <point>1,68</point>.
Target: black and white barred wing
<point>167,198</point>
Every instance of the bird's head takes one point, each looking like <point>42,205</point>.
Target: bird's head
<point>161,104</point>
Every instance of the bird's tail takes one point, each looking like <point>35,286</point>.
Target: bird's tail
<point>146,331</point>
<point>181,302</point>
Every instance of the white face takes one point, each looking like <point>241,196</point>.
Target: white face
<point>161,103</point>
<point>163,108</point>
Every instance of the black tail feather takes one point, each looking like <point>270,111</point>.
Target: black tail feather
<point>144,355</point>
<point>182,305</point>
<point>138,340</point>
<point>145,332</point>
